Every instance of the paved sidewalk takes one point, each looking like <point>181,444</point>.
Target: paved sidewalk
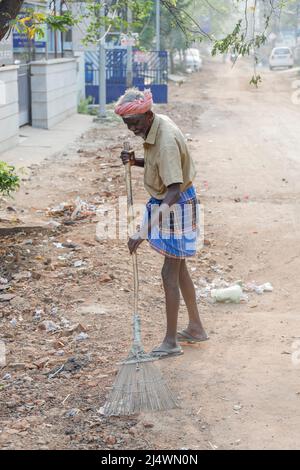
<point>37,144</point>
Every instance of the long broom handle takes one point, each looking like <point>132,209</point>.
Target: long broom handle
<point>136,321</point>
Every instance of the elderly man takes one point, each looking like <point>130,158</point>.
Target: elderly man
<point>172,229</point>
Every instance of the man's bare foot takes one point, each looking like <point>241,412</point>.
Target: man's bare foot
<point>166,349</point>
<point>191,335</point>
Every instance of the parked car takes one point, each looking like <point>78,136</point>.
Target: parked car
<point>193,60</point>
<point>281,57</point>
<point>190,59</point>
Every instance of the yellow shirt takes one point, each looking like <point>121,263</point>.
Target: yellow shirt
<point>167,159</point>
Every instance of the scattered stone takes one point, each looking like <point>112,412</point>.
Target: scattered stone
<point>73,412</point>
<point>70,245</point>
<point>21,425</point>
<point>105,278</point>
<point>10,209</point>
<point>4,287</point>
<point>20,304</point>
<point>53,224</point>
<point>78,328</point>
<point>110,440</point>
<point>133,431</point>
<point>7,297</point>
<point>148,425</point>
<point>94,309</point>
<point>49,326</point>
<point>18,365</point>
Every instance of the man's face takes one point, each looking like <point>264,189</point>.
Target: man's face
<point>138,124</point>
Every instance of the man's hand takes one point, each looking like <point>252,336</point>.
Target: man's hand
<point>134,242</point>
<point>128,157</point>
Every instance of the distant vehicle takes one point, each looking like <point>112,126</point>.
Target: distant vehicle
<point>281,57</point>
<point>193,60</point>
<point>233,57</point>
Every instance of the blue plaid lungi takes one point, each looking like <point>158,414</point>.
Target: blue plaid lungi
<point>177,233</point>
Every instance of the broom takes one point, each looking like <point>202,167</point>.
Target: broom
<point>139,385</point>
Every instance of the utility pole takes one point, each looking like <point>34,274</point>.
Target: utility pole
<point>129,73</point>
<point>158,74</point>
<point>102,68</point>
<point>158,25</point>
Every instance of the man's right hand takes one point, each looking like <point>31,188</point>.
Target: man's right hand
<point>128,157</point>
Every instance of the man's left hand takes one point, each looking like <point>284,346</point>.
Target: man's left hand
<point>134,242</point>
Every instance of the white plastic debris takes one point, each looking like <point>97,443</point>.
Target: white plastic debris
<point>259,289</point>
<point>65,322</point>
<point>205,288</point>
<point>6,377</point>
<point>38,314</point>
<point>78,263</point>
<point>81,337</point>
<point>13,322</point>
<point>54,311</point>
<point>49,326</point>
<point>82,207</point>
<point>229,294</point>
<point>58,245</point>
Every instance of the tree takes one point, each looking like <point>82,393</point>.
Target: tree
<point>9,10</point>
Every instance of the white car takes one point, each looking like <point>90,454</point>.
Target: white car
<point>281,57</point>
<point>193,60</point>
<point>190,58</point>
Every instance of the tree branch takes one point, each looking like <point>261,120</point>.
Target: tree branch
<point>9,10</point>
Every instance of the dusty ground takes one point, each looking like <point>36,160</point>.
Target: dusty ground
<point>240,390</point>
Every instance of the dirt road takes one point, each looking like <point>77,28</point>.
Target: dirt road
<point>240,390</point>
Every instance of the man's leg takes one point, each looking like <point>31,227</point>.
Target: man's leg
<point>187,288</point>
<point>170,277</point>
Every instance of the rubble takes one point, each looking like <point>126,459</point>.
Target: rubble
<point>49,326</point>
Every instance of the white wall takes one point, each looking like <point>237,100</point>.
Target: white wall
<point>54,91</point>
<point>9,107</point>
<point>80,75</point>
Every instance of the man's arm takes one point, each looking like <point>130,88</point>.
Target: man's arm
<point>139,162</point>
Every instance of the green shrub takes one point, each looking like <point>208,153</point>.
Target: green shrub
<point>9,180</point>
<point>83,107</point>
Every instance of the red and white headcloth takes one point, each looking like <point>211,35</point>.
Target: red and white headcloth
<point>137,106</point>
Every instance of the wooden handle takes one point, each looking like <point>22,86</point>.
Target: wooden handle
<point>130,220</point>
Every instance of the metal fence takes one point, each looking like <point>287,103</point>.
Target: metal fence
<point>24,94</point>
<point>150,70</point>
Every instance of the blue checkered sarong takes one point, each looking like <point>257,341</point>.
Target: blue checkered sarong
<point>177,233</point>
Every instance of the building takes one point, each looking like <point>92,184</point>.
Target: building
<point>41,80</point>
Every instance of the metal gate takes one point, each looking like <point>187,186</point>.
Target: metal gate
<point>24,94</point>
<point>150,70</point>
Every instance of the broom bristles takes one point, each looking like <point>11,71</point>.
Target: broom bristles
<point>139,387</point>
